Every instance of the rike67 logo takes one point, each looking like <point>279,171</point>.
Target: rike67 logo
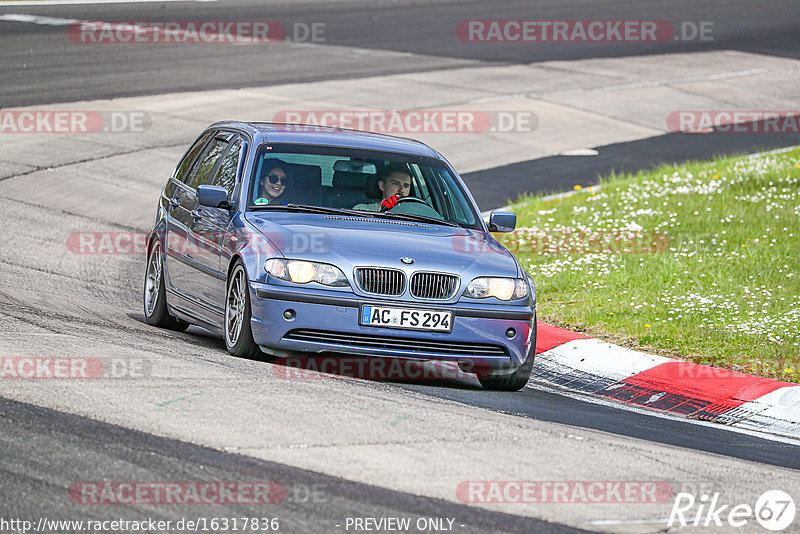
<point>774,510</point>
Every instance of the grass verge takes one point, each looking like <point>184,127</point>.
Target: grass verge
<point>698,261</point>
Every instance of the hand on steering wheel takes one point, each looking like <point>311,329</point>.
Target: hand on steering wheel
<point>395,200</point>
<point>389,202</point>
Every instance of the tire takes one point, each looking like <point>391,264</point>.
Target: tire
<point>238,331</point>
<point>516,380</point>
<point>154,294</point>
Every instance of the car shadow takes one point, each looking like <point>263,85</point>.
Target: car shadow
<point>195,335</point>
<point>338,366</point>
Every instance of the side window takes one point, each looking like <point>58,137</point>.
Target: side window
<point>182,172</point>
<point>418,186</point>
<point>204,171</point>
<point>226,177</point>
<point>450,204</point>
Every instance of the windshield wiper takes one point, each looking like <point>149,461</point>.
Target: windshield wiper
<point>416,218</point>
<point>309,209</point>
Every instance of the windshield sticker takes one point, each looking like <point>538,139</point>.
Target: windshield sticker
<point>261,201</point>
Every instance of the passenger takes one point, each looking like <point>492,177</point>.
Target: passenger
<point>394,182</point>
<point>274,181</point>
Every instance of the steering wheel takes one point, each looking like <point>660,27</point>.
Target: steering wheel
<point>403,200</point>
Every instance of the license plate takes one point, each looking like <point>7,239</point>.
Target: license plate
<point>407,318</point>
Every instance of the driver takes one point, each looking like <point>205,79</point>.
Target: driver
<point>394,183</point>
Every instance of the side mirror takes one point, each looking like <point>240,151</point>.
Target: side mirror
<point>502,221</point>
<point>213,196</point>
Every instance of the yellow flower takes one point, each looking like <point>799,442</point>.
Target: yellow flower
<point>743,245</point>
<point>716,176</point>
<point>589,188</point>
<point>577,188</point>
<point>788,371</point>
<point>646,325</point>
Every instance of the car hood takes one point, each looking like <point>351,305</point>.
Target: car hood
<point>350,241</point>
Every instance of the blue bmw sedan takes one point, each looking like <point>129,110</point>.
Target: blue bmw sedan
<point>297,240</point>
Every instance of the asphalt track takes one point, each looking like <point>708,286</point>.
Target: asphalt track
<point>312,502</point>
<point>40,65</point>
<point>52,303</point>
<point>546,403</point>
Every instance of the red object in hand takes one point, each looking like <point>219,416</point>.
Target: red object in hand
<point>390,202</point>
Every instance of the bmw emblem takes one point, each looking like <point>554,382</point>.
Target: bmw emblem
<point>407,260</point>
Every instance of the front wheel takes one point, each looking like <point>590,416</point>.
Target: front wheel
<point>238,332</point>
<point>516,380</point>
<point>156,312</point>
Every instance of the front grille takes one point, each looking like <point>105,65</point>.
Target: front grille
<point>433,285</point>
<point>408,345</point>
<point>381,281</point>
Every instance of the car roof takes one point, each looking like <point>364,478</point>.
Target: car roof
<point>304,134</point>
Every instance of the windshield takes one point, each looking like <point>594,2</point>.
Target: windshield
<point>349,179</point>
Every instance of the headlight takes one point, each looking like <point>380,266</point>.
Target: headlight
<point>303,272</point>
<point>502,288</point>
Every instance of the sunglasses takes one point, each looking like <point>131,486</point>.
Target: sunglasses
<point>274,179</point>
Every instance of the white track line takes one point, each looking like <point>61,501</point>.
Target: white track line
<point>176,36</point>
<point>36,19</point>
<point>87,2</point>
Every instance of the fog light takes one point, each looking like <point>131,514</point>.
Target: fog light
<point>465,366</point>
<point>288,315</point>
<point>510,333</point>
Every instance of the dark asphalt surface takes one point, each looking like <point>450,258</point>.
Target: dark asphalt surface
<point>547,405</point>
<point>544,402</point>
<point>500,185</point>
<point>44,453</point>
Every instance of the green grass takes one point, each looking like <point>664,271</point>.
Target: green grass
<point>705,266</point>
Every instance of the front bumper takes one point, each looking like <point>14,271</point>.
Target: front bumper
<point>327,321</point>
